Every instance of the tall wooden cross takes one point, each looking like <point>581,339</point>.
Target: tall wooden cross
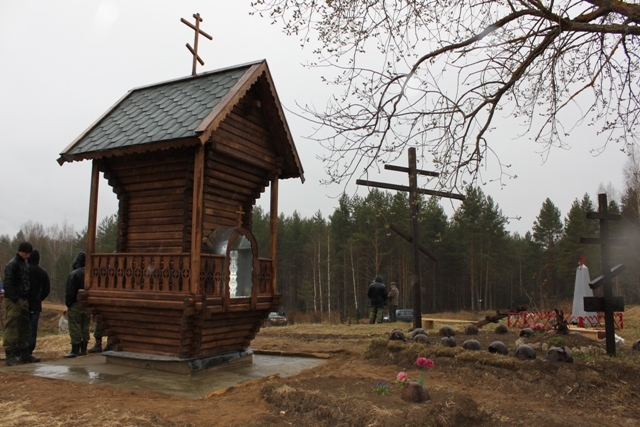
<point>194,49</point>
<point>240,212</point>
<point>608,303</point>
<point>415,236</point>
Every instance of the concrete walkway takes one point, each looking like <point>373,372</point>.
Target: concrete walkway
<point>94,369</point>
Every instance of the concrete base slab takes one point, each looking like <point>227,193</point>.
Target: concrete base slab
<point>94,369</point>
<point>180,366</point>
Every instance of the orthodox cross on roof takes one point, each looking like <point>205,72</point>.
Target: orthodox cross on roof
<point>194,49</point>
<point>608,303</point>
<point>414,238</point>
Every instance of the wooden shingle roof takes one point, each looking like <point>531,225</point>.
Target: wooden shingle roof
<point>178,113</point>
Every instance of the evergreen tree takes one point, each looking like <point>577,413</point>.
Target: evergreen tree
<point>434,229</point>
<point>468,230</point>
<point>547,230</point>
<point>107,234</point>
<point>261,229</point>
<point>341,223</point>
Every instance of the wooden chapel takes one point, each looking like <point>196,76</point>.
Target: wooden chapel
<point>187,160</point>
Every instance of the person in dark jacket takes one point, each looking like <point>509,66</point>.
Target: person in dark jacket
<point>377,295</point>
<point>16,291</point>
<point>38,291</point>
<point>79,319</point>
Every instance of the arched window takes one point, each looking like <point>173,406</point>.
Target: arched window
<point>239,247</point>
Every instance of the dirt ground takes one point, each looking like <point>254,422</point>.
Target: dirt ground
<point>466,388</point>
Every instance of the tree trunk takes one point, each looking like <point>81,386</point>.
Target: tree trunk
<point>315,291</point>
<point>320,279</point>
<point>353,274</point>
<point>328,275</point>
<point>473,281</point>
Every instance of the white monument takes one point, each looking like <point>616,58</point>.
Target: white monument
<point>581,290</point>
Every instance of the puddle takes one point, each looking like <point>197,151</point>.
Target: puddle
<point>93,369</point>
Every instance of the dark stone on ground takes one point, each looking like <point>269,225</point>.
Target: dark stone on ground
<point>473,345</point>
<point>524,352</point>
<point>498,347</point>
<point>471,329</point>
<point>447,331</point>
<point>501,329</point>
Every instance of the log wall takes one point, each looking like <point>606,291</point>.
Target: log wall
<point>144,305</point>
<point>155,192</point>
<point>239,162</point>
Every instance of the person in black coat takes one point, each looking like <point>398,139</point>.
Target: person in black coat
<point>377,295</point>
<point>79,319</point>
<point>16,289</point>
<point>38,291</point>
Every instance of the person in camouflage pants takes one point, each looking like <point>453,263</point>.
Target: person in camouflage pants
<point>97,347</point>
<point>16,288</point>
<point>79,319</point>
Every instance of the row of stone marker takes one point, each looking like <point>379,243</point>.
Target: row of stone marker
<point>523,351</point>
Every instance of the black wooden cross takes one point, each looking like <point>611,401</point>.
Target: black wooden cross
<point>194,49</point>
<point>608,303</point>
<point>414,239</point>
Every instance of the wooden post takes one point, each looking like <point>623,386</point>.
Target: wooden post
<point>93,223</point>
<point>273,225</point>
<point>415,244</point>
<point>608,303</point>
<point>196,219</point>
<point>609,326</point>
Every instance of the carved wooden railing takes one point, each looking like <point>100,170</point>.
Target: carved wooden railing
<point>141,272</point>
<point>165,273</point>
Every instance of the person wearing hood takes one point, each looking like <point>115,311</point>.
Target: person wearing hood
<point>16,289</point>
<point>39,290</point>
<point>377,295</point>
<point>79,319</point>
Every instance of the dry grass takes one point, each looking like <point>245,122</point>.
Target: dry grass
<point>55,343</point>
<point>462,386</point>
<point>51,344</point>
<point>16,415</point>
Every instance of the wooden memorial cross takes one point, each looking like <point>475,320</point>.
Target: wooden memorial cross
<point>240,212</point>
<point>608,303</point>
<point>414,239</point>
<point>194,49</point>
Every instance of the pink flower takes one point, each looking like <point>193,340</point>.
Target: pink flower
<point>424,363</point>
<point>402,377</point>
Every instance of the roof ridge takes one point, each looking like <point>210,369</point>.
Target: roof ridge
<point>205,74</point>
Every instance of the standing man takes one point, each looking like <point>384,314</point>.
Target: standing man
<point>393,302</point>
<point>79,319</point>
<point>39,290</point>
<point>377,300</point>
<point>16,288</point>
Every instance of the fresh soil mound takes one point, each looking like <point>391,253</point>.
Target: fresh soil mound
<point>352,403</point>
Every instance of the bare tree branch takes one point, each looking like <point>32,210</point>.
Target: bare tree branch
<point>443,74</point>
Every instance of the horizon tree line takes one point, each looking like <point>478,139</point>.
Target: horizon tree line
<point>325,265</point>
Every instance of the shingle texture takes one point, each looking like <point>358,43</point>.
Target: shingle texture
<point>159,113</point>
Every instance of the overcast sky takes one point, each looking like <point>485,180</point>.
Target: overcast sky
<point>64,63</point>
